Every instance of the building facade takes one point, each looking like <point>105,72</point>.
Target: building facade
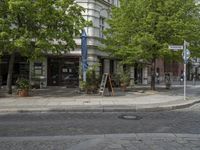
<point>65,69</point>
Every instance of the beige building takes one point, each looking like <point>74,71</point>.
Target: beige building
<point>64,70</point>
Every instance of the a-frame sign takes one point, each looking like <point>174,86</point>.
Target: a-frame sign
<point>106,78</point>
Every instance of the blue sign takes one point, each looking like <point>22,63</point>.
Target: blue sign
<point>186,56</point>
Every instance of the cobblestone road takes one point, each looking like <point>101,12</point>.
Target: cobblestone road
<point>105,142</point>
<point>170,130</point>
<point>45,124</point>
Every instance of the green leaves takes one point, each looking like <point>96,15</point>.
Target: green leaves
<point>36,27</point>
<point>142,29</point>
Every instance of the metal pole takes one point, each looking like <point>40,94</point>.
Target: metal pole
<point>84,76</point>
<point>184,54</point>
<point>184,81</point>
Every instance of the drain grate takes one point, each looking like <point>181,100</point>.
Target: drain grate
<point>130,117</point>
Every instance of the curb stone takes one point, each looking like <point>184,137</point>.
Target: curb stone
<point>103,108</point>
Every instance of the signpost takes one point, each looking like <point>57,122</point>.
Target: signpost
<point>176,47</point>
<point>186,55</point>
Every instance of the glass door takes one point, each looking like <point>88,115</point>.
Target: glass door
<point>69,74</point>
<point>53,72</point>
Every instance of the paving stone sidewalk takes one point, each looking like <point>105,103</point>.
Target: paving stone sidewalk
<point>62,99</point>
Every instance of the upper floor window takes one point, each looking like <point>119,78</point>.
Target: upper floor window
<point>101,26</point>
<point>111,1</point>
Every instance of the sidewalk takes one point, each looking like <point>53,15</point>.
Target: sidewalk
<point>69,100</point>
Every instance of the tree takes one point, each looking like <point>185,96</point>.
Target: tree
<point>34,28</point>
<point>141,30</point>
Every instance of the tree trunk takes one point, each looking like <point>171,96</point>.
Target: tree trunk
<point>10,72</point>
<point>153,74</point>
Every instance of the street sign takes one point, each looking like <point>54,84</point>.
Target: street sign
<point>176,47</point>
<point>187,55</point>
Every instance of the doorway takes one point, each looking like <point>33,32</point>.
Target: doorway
<point>63,71</point>
<point>138,74</point>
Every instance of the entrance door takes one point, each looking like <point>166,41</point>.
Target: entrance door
<point>53,72</point>
<point>63,72</point>
<point>138,74</point>
<point>69,74</point>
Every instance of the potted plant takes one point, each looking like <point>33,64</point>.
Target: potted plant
<point>82,85</point>
<point>23,86</point>
<point>91,84</point>
<point>124,80</point>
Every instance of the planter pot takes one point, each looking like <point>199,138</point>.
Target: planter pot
<point>81,89</point>
<point>123,86</point>
<point>91,89</point>
<point>23,93</point>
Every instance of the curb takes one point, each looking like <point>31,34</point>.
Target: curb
<point>110,108</point>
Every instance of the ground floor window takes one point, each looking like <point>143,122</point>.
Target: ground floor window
<point>38,69</point>
<point>138,74</point>
<point>20,68</point>
<point>63,71</point>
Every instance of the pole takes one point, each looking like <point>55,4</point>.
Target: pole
<point>184,73</point>
<point>84,76</point>
<point>184,81</point>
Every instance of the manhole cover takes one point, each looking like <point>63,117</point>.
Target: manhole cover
<point>130,117</point>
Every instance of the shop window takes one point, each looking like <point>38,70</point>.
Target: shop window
<point>38,69</point>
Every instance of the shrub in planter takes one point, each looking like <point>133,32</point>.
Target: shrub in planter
<point>82,86</point>
<point>23,86</point>
<point>124,80</point>
<point>92,81</point>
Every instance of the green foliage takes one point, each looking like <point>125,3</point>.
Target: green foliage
<point>91,77</point>
<point>83,85</point>
<point>92,80</point>
<point>125,78</point>
<point>142,29</point>
<point>22,84</point>
<point>34,28</point>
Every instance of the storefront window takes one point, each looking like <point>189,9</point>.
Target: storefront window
<point>38,69</point>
